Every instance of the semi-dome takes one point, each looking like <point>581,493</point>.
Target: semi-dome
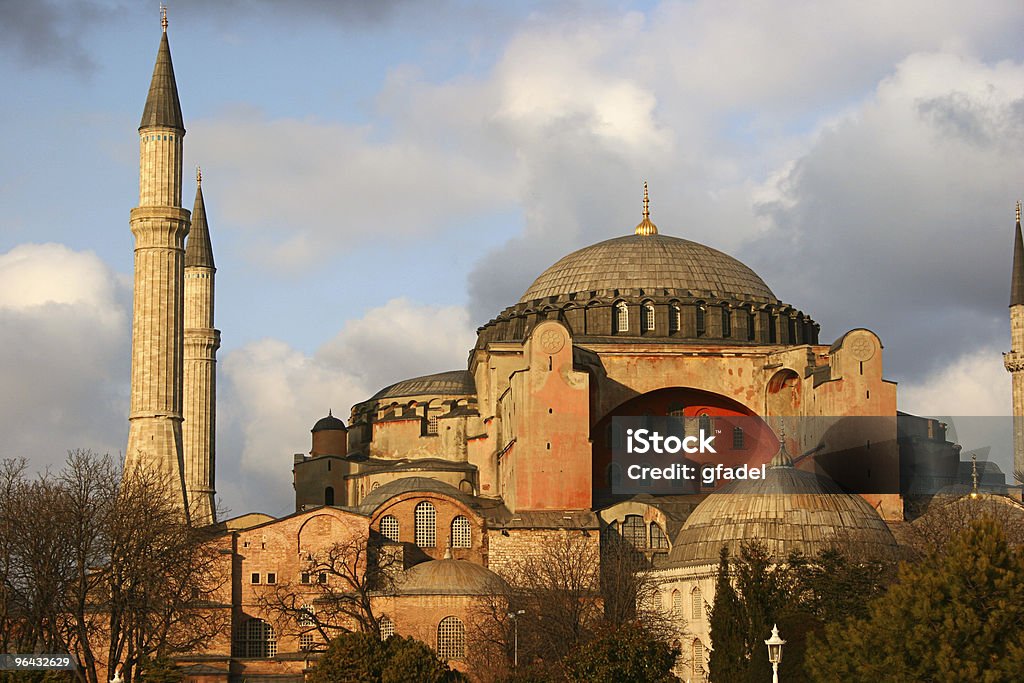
<point>790,510</point>
<point>450,577</point>
<point>451,383</point>
<point>651,262</point>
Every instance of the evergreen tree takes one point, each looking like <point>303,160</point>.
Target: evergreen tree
<point>763,588</point>
<point>955,616</point>
<point>627,654</point>
<point>728,661</point>
<point>364,658</point>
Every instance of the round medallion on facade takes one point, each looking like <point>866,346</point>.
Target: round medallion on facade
<point>862,348</point>
<point>552,341</point>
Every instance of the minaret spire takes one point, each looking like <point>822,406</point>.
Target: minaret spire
<point>646,227</point>
<point>1014,360</point>
<point>199,384</point>
<point>159,224</point>
<point>1017,281</point>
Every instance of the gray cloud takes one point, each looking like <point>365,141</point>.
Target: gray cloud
<point>899,217</point>
<point>45,33</point>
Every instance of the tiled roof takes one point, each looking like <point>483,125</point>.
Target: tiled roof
<point>451,383</point>
<point>790,510</point>
<point>651,263</point>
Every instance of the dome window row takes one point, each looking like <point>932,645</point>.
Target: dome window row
<point>663,317</point>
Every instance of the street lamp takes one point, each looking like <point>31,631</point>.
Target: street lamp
<point>514,616</point>
<point>775,651</point>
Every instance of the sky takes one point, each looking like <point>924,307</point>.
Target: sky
<point>383,178</point>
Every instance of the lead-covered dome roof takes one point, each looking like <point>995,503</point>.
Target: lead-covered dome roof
<point>790,510</point>
<point>652,263</point>
<point>450,577</point>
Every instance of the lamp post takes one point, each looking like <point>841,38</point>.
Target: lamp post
<point>775,651</point>
<point>514,616</point>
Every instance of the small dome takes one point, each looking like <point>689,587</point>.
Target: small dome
<point>450,577</point>
<point>329,423</point>
<point>790,510</point>
<point>650,262</point>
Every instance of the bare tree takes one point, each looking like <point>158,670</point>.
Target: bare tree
<point>103,566</point>
<point>344,580</point>
<point>557,588</point>
<point>946,517</point>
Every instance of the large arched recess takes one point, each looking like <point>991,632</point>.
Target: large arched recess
<point>759,442</point>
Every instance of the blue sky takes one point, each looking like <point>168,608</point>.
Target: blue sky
<point>382,178</point>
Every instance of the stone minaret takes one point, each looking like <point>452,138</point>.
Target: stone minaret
<point>1014,360</point>
<point>200,385</point>
<point>159,225</point>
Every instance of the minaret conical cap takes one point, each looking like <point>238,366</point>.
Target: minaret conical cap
<point>198,250</point>
<point>1017,283</point>
<point>162,107</point>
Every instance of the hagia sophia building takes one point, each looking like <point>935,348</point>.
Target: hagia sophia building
<point>463,473</point>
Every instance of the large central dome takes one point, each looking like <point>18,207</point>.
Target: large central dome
<point>650,262</point>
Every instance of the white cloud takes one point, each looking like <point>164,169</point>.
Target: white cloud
<point>974,384</point>
<point>272,393</point>
<point>305,189</point>
<point>65,338</point>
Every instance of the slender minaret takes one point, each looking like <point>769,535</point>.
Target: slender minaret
<point>1014,360</point>
<point>200,385</point>
<point>159,225</point>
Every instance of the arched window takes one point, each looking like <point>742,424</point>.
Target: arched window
<point>387,627</point>
<point>705,424</point>
<point>635,531</point>
<point>791,325</point>
<point>675,319</point>
<point>462,533</point>
<point>726,322</point>
<point>701,320</point>
<point>376,485</point>
<point>390,529</point>
<point>697,660</point>
<point>425,520</point>
<point>659,541</point>
<point>329,495</point>
<point>621,317</point>
<point>432,423</point>
<point>738,439</point>
<point>773,332</point>
<point>751,324</point>
<point>451,638</point>
<point>696,604</point>
<point>307,620</point>
<point>647,319</point>
<point>256,639</point>
<point>679,668</point>
<point>677,602</point>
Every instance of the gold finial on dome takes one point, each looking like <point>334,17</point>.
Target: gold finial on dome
<point>646,227</point>
<point>163,16</point>
<point>199,176</point>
